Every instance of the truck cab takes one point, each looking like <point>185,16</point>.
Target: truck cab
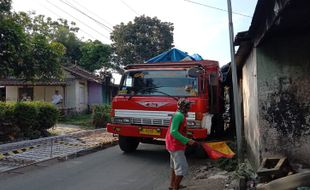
<point>148,95</point>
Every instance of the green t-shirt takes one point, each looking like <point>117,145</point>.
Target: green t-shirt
<point>174,128</point>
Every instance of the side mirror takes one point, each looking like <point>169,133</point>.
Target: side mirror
<point>194,72</point>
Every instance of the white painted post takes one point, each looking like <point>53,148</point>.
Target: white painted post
<point>237,106</point>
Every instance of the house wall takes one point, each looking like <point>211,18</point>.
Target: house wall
<point>94,93</point>
<point>283,67</point>
<point>75,93</point>
<point>45,93</point>
<point>40,93</point>
<point>250,108</point>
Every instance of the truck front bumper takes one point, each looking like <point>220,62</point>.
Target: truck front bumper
<point>151,131</point>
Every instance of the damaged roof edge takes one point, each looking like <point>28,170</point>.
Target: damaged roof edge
<point>265,16</point>
<point>78,71</point>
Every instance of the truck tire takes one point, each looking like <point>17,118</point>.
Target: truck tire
<point>128,144</point>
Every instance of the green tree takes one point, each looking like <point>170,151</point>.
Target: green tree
<point>65,35</point>
<point>45,56</point>
<point>24,52</point>
<point>59,31</point>
<point>13,47</point>
<point>95,55</point>
<point>5,6</point>
<point>140,40</point>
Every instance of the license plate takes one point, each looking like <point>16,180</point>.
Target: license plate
<point>144,131</point>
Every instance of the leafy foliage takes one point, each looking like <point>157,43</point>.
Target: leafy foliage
<point>26,119</point>
<point>101,115</point>
<point>46,57</point>
<point>8,129</point>
<point>91,55</point>
<point>25,116</point>
<point>141,39</point>
<point>5,6</point>
<point>48,115</point>
<point>13,47</point>
<point>54,31</point>
<point>95,55</point>
<point>27,52</point>
<point>34,47</point>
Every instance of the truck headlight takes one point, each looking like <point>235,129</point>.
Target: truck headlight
<point>120,120</point>
<point>126,120</point>
<point>116,120</point>
<point>193,124</point>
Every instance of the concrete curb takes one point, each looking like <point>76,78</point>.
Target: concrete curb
<point>61,158</point>
<point>18,145</point>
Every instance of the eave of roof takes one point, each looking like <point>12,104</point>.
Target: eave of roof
<point>18,82</point>
<point>82,73</point>
<point>273,18</point>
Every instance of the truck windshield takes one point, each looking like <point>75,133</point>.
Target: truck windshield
<point>159,83</point>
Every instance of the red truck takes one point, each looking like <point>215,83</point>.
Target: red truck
<point>147,99</point>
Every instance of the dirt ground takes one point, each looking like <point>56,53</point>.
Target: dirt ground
<point>204,174</point>
<point>64,129</point>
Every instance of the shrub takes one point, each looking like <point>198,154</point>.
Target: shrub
<point>48,115</point>
<point>6,112</point>
<point>101,115</point>
<point>8,129</point>
<point>26,119</point>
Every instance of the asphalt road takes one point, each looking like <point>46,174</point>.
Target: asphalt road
<point>146,169</point>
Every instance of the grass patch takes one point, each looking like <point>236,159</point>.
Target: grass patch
<point>83,120</point>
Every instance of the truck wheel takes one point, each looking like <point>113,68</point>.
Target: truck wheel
<point>128,144</point>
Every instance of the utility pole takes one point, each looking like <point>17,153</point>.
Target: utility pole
<point>237,106</point>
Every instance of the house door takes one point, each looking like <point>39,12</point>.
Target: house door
<point>82,95</point>
<point>2,93</point>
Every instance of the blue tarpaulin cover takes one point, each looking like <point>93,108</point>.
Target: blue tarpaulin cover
<point>196,57</point>
<point>173,55</point>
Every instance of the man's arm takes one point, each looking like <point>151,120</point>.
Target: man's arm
<point>174,129</point>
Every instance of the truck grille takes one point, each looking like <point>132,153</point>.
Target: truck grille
<point>143,121</point>
<point>157,122</point>
<point>147,121</point>
<point>143,117</point>
<point>137,121</point>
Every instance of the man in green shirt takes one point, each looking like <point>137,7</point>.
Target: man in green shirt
<point>176,142</point>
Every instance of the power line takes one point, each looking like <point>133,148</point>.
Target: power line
<point>108,23</point>
<point>130,8</point>
<point>60,17</point>
<point>216,8</point>
<point>83,13</point>
<point>78,20</point>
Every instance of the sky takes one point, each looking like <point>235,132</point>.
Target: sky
<point>200,26</point>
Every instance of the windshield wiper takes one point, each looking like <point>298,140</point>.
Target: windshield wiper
<point>167,95</point>
<point>155,89</point>
<point>141,90</point>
